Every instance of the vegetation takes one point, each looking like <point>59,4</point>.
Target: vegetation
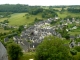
<point>13,19</point>
<point>54,48</point>
<point>74,10</point>
<point>18,19</point>
<point>13,8</point>
<point>77,48</point>
<point>73,52</point>
<point>48,13</point>
<point>28,55</point>
<point>14,51</point>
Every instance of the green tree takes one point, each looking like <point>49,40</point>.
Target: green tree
<point>52,48</point>
<point>64,33</point>
<point>21,28</point>
<point>77,48</point>
<point>14,51</point>
<point>73,52</point>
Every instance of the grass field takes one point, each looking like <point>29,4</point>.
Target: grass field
<point>2,19</point>
<point>75,32</point>
<point>65,14</point>
<point>27,56</point>
<point>20,19</point>
<point>2,30</point>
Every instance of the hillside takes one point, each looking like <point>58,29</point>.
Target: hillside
<point>29,26</point>
<point>65,14</point>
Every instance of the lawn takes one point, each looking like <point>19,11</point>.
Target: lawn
<point>28,55</point>
<point>20,19</point>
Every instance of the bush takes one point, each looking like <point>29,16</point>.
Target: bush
<point>14,51</point>
<point>73,52</point>
<point>77,48</point>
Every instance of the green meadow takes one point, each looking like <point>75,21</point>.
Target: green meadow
<point>2,30</point>
<point>2,19</point>
<point>28,55</point>
<point>75,32</point>
<point>65,14</point>
<point>18,19</point>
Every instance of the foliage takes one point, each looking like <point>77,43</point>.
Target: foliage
<point>53,22</point>
<point>52,48</point>
<point>13,8</point>
<point>64,33</point>
<point>37,20</point>
<point>5,14</point>
<point>5,21</point>
<point>77,57</point>
<point>77,48</point>
<point>21,28</point>
<point>36,11</point>
<point>12,34</point>
<point>14,51</point>
<point>77,40</point>
<point>47,13</point>
<point>74,10</point>
<point>73,52</point>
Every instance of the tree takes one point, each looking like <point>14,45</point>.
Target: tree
<point>52,48</point>
<point>73,52</point>
<point>64,33</point>
<point>14,51</point>
<point>21,28</point>
<point>77,48</point>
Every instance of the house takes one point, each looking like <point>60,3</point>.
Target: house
<point>72,37</point>
<point>25,45</point>
<point>74,27</point>
<point>6,39</point>
<point>17,39</point>
<point>72,44</point>
<point>32,36</point>
<point>78,43</point>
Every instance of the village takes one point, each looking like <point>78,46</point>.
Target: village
<point>39,32</point>
<point>31,37</point>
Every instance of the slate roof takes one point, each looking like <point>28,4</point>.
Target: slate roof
<point>35,34</point>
